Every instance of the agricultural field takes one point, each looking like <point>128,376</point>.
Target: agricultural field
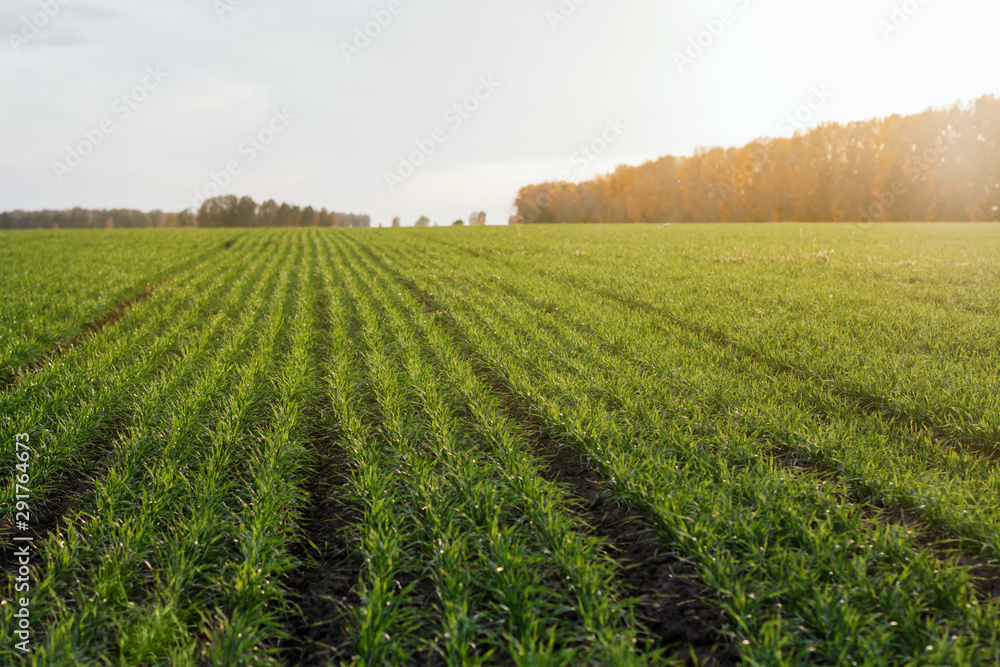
<point>534,445</point>
<point>53,289</point>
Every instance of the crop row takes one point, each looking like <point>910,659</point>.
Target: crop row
<point>177,542</point>
<point>56,284</point>
<point>801,567</point>
<point>453,498</point>
<point>159,549</point>
<point>834,518</point>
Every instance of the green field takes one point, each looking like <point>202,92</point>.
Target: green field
<point>537,445</point>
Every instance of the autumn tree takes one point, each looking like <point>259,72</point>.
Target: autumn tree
<point>942,164</point>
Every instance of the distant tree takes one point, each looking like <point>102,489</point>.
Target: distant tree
<point>424,221</point>
<point>283,216</point>
<point>223,211</point>
<point>220,212</point>
<point>309,217</point>
<point>267,214</point>
<point>458,223</point>
<point>245,213</point>
<point>396,222</point>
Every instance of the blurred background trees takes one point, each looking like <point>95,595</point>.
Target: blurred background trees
<point>226,211</point>
<point>940,165</point>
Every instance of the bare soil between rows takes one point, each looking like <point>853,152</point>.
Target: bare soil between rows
<point>985,574</point>
<point>325,587</point>
<point>673,607</point>
<point>71,493</point>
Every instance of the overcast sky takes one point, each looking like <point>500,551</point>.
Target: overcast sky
<point>183,86</point>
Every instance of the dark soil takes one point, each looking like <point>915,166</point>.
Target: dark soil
<point>987,578</point>
<point>673,606</point>
<point>70,494</point>
<point>324,587</point>
<point>985,574</point>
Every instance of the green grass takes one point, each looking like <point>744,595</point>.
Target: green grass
<point>56,283</point>
<point>815,432</point>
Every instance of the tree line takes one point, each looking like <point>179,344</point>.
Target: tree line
<point>939,165</point>
<point>226,211</point>
<point>230,211</point>
<point>80,218</point>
